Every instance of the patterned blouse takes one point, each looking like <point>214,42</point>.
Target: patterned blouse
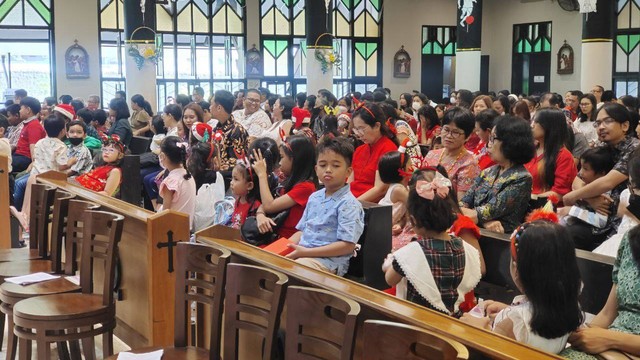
<point>462,171</point>
<point>502,196</point>
<point>235,141</point>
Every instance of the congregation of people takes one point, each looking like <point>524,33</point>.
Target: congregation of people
<point>556,172</point>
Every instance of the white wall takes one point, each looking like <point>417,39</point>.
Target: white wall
<point>497,37</point>
<point>77,19</point>
<point>402,25</point>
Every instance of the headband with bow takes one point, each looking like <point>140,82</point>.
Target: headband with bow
<point>112,140</point>
<point>406,143</point>
<point>428,189</point>
<point>242,159</point>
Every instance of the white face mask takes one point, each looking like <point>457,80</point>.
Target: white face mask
<point>416,106</point>
<point>453,100</point>
<point>342,109</point>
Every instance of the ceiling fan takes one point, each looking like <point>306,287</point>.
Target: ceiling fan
<point>569,5</point>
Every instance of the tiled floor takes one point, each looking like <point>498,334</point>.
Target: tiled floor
<point>118,346</point>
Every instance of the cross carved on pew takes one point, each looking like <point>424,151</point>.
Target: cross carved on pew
<point>170,244</point>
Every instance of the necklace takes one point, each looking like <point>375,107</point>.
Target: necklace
<point>454,162</point>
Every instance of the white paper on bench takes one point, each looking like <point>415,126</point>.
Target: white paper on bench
<point>31,278</point>
<point>155,355</point>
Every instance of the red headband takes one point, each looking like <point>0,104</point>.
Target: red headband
<point>241,157</point>
<point>362,106</point>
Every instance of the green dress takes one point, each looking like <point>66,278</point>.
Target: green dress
<point>626,274</point>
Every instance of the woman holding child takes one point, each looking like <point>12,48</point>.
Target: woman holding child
<point>612,122</point>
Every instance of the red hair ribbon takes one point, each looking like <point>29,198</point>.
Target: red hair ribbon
<point>362,106</point>
<point>283,136</point>
<point>391,126</point>
<point>212,146</point>
<point>241,158</point>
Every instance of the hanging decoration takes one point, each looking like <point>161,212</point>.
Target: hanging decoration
<point>327,57</point>
<point>588,6</point>
<point>466,9</point>
<point>143,8</point>
<point>144,50</point>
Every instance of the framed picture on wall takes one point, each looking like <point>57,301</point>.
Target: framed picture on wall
<point>76,62</point>
<point>565,59</point>
<point>254,63</point>
<point>402,64</point>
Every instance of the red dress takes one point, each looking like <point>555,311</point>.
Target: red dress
<point>565,173</point>
<point>96,179</point>
<point>300,194</point>
<point>484,160</point>
<point>365,164</point>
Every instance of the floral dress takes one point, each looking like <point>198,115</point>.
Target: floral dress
<point>502,196</point>
<point>626,275</point>
<point>462,171</point>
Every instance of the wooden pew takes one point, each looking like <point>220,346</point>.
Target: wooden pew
<point>594,268</point>
<point>5,226</point>
<point>145,306</point>
<point>375,304</point>
<point>139,145</point>
<point>375,244</point>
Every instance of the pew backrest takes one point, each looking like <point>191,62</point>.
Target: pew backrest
<point>139,145</point>
<point>595,270</point>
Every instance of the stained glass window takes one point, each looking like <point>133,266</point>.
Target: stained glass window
<point>532,38</point>
<point>626,72</point>
<point>202,42</point>
<point>438,40</point>
<point>283,40</point>
<point>29,67</point>
<point>357,26</point>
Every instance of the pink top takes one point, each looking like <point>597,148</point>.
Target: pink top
<point>462,171</point>
<point>184,192</point>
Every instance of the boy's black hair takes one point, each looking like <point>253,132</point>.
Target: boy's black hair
<point>77,105</point>
<point>31,103</point>
<point>600,158</point>
<point>550,278</point>
<point>78,123</point>
<point>389,166</point>
<point>158,124</point>
<point>20,93</point>
<point>53,125</point>
<point>100,116</point>
<point>301,97</point>
<point>66,99</point>
<point>86,115</point>
<point>50,101</point>
<point>338,145</point>
<point>13,109</point>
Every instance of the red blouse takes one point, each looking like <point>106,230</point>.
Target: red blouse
<point>430,134</point>
<point>565,173</point>
<point>365,164</point>
<point>484,160</point>
<point>300,194</point>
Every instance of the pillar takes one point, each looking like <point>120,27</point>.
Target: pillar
<point>319,39</point>
<point>468,44</point>
<point>140,81</point>
<point>597,46</point>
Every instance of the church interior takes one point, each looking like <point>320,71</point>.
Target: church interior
<point>319,179</point>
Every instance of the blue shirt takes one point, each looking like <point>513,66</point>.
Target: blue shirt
<point>320,225</point>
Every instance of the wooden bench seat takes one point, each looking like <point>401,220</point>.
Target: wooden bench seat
<point>375,304</point>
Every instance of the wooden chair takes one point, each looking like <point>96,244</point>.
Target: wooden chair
<point>253,303</point>
<point>68,217</point>
<point>74,316</point>
<point>200,279</point>
<point>389,340</point>
<point>320,324</point>
<point>42,199</point>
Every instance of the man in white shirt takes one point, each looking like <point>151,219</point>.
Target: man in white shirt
<point>252,118</point>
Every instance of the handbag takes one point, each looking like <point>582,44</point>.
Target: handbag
<point>251,234</point>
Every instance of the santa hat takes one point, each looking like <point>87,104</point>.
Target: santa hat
<point>66,110</point>
<point>201,131</point>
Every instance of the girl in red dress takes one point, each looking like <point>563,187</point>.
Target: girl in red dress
<point>106,179</point>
